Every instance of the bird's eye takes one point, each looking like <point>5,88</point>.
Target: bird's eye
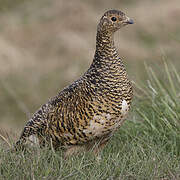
<point>113,18</point>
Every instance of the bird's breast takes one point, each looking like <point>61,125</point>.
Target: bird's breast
<point>107,122</point>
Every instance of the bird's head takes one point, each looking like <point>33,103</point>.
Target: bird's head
<point>113,20</point>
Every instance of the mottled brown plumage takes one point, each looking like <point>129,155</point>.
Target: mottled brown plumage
<point>85,114</point>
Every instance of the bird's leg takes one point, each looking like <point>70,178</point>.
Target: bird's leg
<point>99,146</point>
<point>72,150</point>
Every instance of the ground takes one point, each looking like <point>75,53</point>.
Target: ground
<point>45,45</point>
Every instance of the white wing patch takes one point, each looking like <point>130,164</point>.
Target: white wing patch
<point>97,128</point>
<point>125,107</point>
<point>98,124</point>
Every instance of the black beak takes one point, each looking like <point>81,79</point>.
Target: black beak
<point>130,21</point>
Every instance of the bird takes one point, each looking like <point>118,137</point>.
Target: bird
<point>86,114</point>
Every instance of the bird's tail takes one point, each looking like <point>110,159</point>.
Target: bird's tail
<point>31,128</point>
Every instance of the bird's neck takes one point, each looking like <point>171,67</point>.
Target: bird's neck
<point>104,44</point>
<point>107,67</point>
<point>106,53</point>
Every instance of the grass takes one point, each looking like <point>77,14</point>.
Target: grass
<point>42,44</point>
<point>147,146</point>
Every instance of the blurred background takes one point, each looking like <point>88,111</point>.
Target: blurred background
<point>47,44</point>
